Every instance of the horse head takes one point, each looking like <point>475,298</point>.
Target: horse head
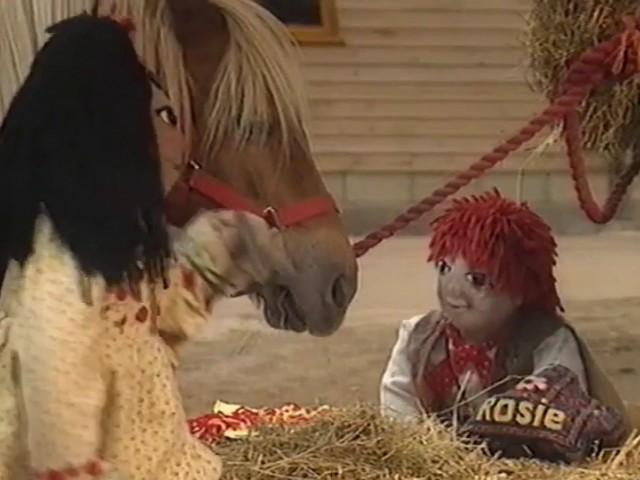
<point>231,70</point>
<point>250,134</point>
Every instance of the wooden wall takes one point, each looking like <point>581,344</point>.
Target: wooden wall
<point>420,85</point>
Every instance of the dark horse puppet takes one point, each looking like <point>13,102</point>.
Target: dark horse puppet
<point>93,284</point>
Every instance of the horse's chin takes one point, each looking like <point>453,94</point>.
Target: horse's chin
<point>282,312</point>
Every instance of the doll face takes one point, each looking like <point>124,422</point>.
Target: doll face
<point>172,145</point>
<point>469,300</point>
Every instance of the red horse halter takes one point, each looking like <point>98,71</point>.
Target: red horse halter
<point>212,191</point>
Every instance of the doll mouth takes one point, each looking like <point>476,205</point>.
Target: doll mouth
<point>457,305</point>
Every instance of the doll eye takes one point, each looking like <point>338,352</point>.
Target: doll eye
<point>443,267</point>
<point>167,115</point>
<point>478,279</point>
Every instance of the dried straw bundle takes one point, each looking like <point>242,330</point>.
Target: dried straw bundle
<point>559,30</point>
<point>356,444</point>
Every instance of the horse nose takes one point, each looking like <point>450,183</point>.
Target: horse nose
<point>340,292</point>
<point>323,281</point>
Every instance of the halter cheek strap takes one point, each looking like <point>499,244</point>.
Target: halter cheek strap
<point>218,194</point>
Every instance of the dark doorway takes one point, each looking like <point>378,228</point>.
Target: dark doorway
<point>296,12</point>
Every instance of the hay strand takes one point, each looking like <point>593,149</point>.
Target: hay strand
<point>357,444</point>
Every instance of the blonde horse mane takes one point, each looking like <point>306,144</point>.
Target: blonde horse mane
<point>258,75</point>
<point>258,80</point>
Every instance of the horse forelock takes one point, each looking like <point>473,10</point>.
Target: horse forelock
<point>258,88</point>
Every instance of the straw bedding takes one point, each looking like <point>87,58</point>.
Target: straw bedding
<point>358,444</point>
<point>559,30</point>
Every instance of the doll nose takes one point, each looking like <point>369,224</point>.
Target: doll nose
<point>452,289</point>
<point>452,293</point>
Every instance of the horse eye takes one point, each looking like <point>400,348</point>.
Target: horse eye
<point>443,267</point>
<point>477,279</point>
<point>168,116</point>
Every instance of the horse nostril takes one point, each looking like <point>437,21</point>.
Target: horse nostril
<point>339,295</point>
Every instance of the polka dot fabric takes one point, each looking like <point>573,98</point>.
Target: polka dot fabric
<point>445,378</point>
<point>10,466</point>
<point>129,411</point>
<point>147,434</point>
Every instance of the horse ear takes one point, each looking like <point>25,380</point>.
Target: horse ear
<point>81,127</point>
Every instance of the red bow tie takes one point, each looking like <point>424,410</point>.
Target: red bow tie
<point>464,356</point>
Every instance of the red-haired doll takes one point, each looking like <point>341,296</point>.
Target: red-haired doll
<point>498,346</point>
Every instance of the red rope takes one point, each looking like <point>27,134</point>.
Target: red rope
<point>617,58</point>
<point>588,204</point>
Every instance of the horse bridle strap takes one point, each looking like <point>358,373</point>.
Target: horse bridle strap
<point>224,196</point>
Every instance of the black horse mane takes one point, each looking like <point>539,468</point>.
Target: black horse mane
<point>78,142</point>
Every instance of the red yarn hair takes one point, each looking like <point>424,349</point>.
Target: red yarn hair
<point>505,240</point>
